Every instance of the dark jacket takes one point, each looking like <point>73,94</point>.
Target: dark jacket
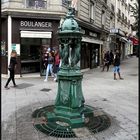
<point>111,56</point>
<point>117,59</point>
<point>50,60</point>
<point>13,62</point>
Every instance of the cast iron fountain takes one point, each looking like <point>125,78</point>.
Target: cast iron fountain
<point>69,112</point>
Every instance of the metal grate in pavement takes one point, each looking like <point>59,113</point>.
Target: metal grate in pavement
<point>134,74</point>
<point>24,85</point>
<point>45,89</point>
<point>45,121</point>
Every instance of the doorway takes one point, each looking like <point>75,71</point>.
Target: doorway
<point>85,55</point>
<point>94,55</point>
<point>32,55</point>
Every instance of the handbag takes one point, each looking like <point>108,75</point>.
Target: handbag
<point>9,67</point>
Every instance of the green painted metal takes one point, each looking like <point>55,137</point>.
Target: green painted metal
<point>45,120</point>
<point>69,111</point>
<point>69,103</point>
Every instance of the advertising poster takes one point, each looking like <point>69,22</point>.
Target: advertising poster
<point>16,47</point>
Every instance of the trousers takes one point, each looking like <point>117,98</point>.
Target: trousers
<point>12,77</point>
<point>49,68</point>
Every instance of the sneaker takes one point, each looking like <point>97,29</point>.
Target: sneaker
<point>121,78</point>
<point>45,80</point>
<point>6,87</point>
<point>54,79</point>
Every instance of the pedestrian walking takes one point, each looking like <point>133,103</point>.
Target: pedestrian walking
<point>106,61</point>
<point>56,64</point>
<point>50,61</point>
<point>117,65</point>
<point>111,57</point>
<point>11,68</point>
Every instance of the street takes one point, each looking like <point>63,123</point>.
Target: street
<point>118,98</point>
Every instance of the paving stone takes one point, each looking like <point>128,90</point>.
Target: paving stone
<point>119,99</point>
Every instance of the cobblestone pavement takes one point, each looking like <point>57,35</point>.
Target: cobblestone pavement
<point>118,98</point>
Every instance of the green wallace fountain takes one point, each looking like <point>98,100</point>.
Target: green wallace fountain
<point>69,111</point>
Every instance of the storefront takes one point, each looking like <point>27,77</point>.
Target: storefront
<point>135,43</point>
<point>30,38</point>
<point>91,47</point>
<point>119,42</point>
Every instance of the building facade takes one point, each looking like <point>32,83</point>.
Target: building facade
<point>30,27</point>
<point>119,35</point>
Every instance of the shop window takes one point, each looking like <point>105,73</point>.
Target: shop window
<point>37,4</point>
<point>85,56</point>
<point>32,54</point>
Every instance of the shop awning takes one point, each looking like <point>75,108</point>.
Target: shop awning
<point>91,40</point>
<point>123,39</point>
<point>35,34</point>
<point>134,40</point>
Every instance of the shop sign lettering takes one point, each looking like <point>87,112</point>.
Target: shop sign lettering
<point>114,30</point>
<point>83,31</point>
<point>36,24</point>
<point>92,34</point>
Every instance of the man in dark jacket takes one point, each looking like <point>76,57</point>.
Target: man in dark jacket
<point>111,57</point>
<point>117,65</point>
<point>106,61</point>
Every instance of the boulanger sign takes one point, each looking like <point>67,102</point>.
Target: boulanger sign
<point>35,24</point>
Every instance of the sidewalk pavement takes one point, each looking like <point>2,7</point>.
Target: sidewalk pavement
<point>118,98</point>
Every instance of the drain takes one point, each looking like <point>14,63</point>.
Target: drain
<point>99,123</point>
<point>45,89</point>
<point>58,128</point>
<point>133,74</point>
<point>54,128</point>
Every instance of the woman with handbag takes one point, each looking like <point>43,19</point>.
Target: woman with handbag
<point>11,68</point>
<point>106,61</point>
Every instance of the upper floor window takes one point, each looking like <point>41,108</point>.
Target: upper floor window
<point>92,11</point>
<point>66,3</point>
<point>128,22</point>
<point>122,16</point>
<point>119,12</point>
<point>105,1</point>
<point>112,7</point>
<point>111,22</point>
<point>123,2</point>
<point>36,4</point>
<point>103,17</point>
<point>125,5</point>
<point>125,19</point>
